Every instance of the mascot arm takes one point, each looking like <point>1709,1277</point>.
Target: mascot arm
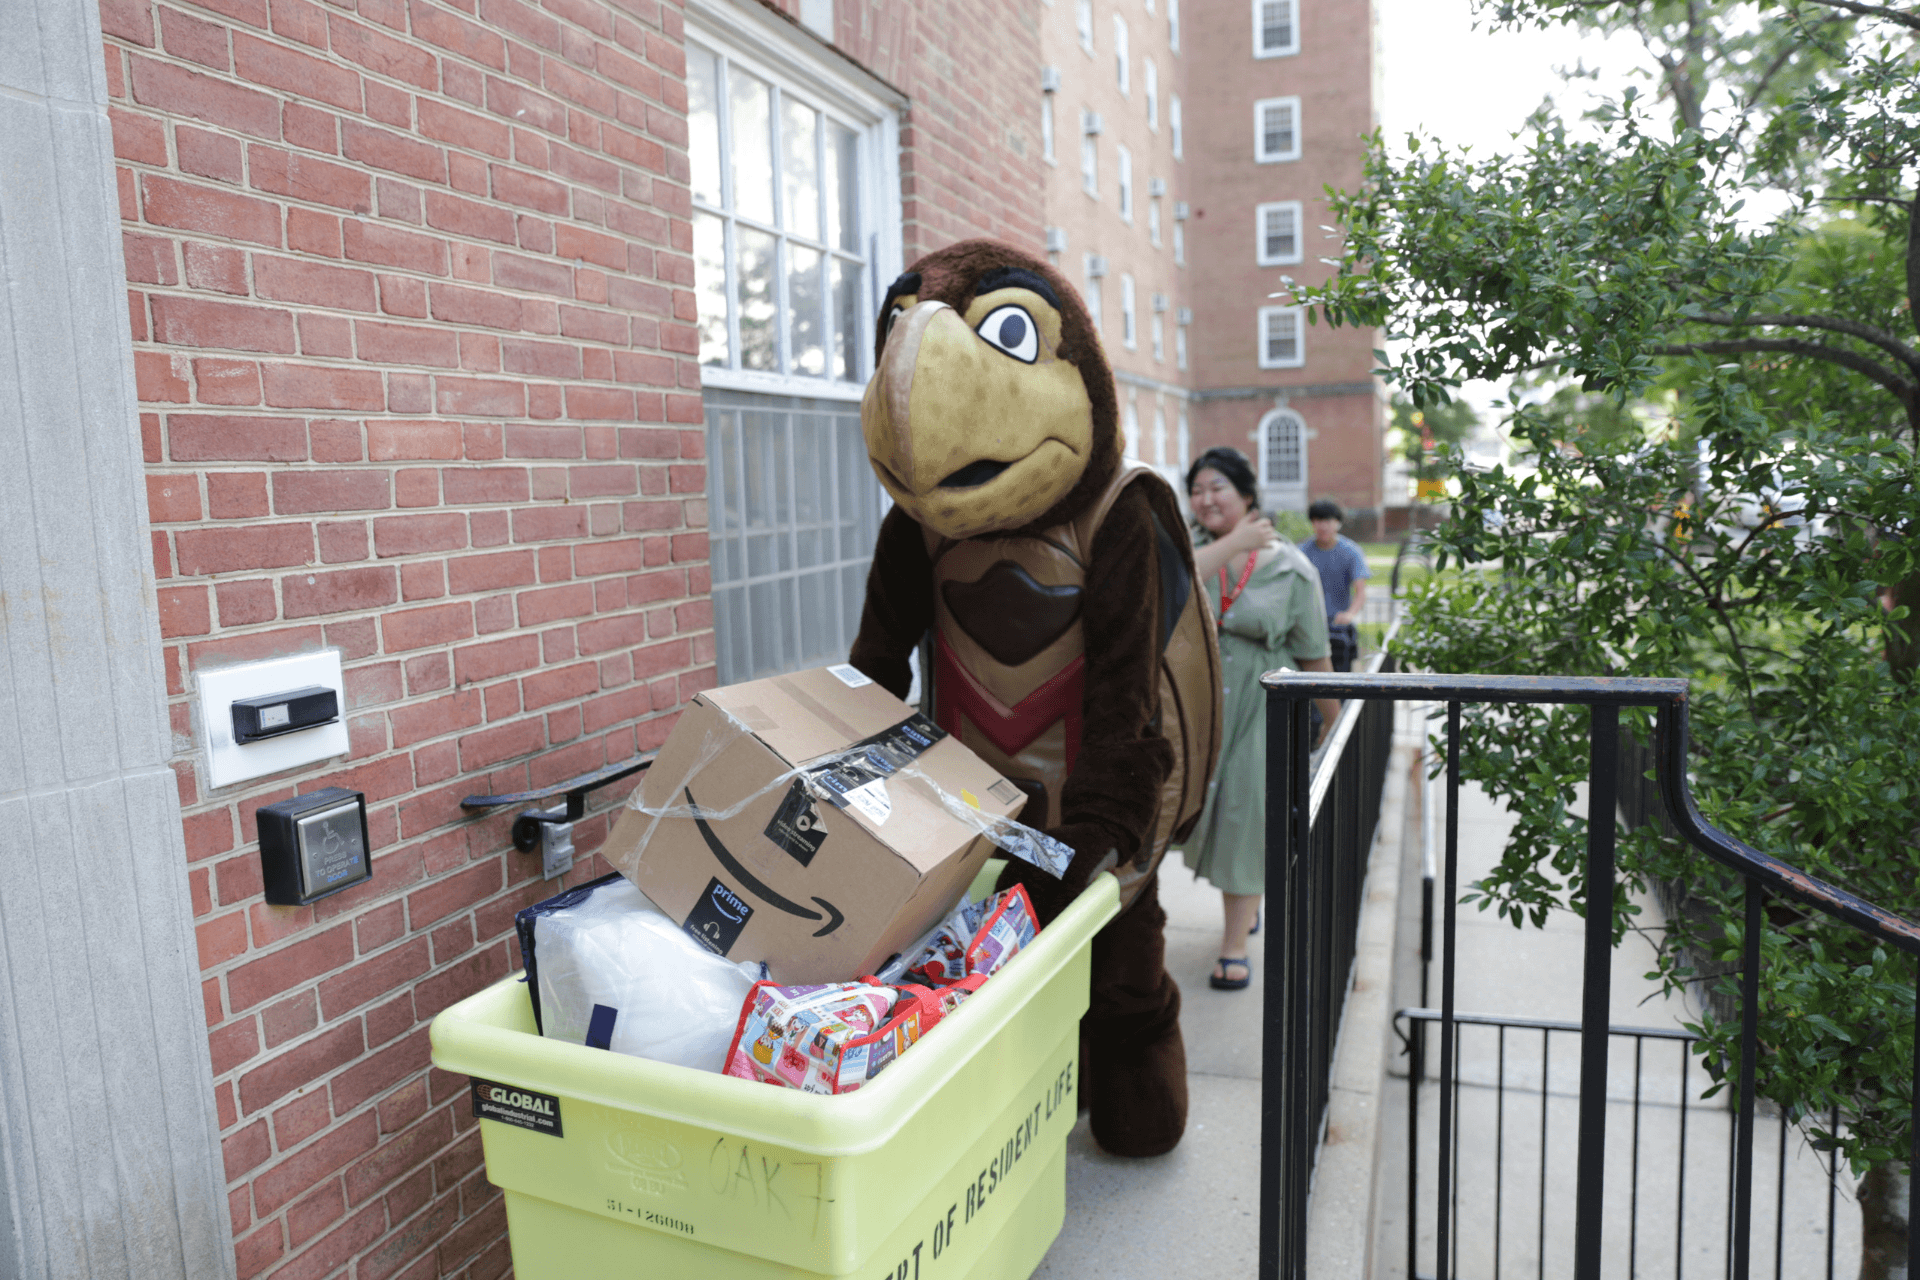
<point>1111,797</point>
<point>899,606</point>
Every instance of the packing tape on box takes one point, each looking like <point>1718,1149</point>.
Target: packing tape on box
<point>843,778</point>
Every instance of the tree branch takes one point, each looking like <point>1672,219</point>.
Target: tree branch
<point>1833,324</point>
<point>1913,258</point>
<point>1908,392</point>
<point>1908,20</point>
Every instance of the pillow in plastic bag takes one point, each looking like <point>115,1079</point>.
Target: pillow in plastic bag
<point>609,970</point>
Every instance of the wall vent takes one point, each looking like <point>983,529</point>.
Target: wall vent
<point>1180,210</point>
<point>1049,79</point>
<point>1186,315</point>
<point>1056,239</point>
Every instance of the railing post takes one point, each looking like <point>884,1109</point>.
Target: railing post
<point>1448,952</point>
<point>1603,773</point>
<point>1286,1130</point>
<point>1749,1050</point>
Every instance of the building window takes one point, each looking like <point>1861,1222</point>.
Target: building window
<point>1173,25</point>
<point>1130,424</point>
<point>1120,58</point>
<point>790,189</point>
<point>1185,441</point>
<point>1153,221</point>
<point>1283,460</point>
<point>1159,435</point>
<point>1173,123</point>
<point>778,235</point>
<point>1089,156</point>
<point>1046,128</point>
<point>1083,23</point>
<point>1277,232</point>
<point>1095,267</point>
<point>1276,129</point>
<point>1159,338</point>
<point>1150,76</point>
<point>1124,168</point>
<point>1128,316</point>
<point>1180,355</point>
<point>1179,243</point>
<point>1276,27</point>
<point>1280,337</point>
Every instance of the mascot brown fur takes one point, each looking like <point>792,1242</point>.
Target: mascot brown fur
<point>1042,567</point>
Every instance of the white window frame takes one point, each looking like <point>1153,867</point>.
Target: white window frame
<point>763,45</point>
<point>1130,425</point>
<point>1089,158</point>
<point>1180,356</point>
<point>1260,215</point>
<point>1122,71</point>
<point>1179,243</point>
<point>1159,338</point>
<point>1260,152</point>
<point>1091,292</point>
<point>1260,49</point>
<point>1083,24</point>
<point>1123,169</point>
<point>1150,84</point>
<point>1173,124</point>
<point>1273,315</point>
<point>1129,314</point>
<point>1173,25</point>
<point>1153,221</point>
<point>1276,493</point>
<point>1047,129</point>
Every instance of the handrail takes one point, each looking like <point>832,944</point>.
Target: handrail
<point>1416,1014</point>
<point>1343,727</point>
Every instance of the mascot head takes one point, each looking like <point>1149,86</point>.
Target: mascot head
<point>991,407</point>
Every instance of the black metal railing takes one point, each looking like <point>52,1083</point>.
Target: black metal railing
<point>1679,1147</point>
<point>1304,885</point>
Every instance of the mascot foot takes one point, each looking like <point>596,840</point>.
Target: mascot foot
<point>1137,1095</point>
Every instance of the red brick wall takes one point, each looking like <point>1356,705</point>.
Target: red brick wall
<point>412,316</point>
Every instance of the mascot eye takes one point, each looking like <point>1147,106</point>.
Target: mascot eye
<point>1012,330</point>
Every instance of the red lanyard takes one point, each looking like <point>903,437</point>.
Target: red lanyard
<point>1226,598</point>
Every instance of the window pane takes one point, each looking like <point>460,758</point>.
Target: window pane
<point>750,105</point>
<point>710,286</point>
<point>703,123</point>
<point>846,320</point>
<point>754,266</point>
<point>843,187</point>
<point>1276,129</point>
<point>806,343</point>
<point>800,167</point>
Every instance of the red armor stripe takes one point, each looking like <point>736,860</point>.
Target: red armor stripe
<point>957,693</point>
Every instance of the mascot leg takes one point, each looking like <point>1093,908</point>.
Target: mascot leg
<point>1133,1065</point>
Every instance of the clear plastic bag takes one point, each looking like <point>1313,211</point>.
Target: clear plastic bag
<point>612,971</point>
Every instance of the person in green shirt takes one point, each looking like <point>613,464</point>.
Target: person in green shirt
<point>1268,605</point>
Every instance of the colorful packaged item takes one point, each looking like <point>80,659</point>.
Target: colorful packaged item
<point>979,937</point>
<point>823,1038</point>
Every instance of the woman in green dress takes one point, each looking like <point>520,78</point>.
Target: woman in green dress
<point>1267,602</point>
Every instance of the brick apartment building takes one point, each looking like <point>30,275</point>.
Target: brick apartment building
<point>1190,153</point>
<point>511,351</point>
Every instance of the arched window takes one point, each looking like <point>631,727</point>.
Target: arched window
<point>1283,460</point>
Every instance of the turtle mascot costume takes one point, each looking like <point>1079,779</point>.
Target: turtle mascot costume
<point>1054,584</point>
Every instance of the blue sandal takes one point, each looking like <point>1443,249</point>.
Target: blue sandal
<point>1219,982</point>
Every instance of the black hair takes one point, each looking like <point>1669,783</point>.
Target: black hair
<point>1326,509</point>
<point>1232,464</point>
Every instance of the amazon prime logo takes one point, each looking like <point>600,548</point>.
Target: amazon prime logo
<point>717,918</point>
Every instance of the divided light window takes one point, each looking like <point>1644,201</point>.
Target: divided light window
<point>1276,28</point>
<point>1278,233</point>
<point>1276,129</point>
<point>1280,343</point>
<point>1089,156</point>
<point>777,228</point>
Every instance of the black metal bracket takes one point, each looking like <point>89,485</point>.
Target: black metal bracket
<point>526,827</point>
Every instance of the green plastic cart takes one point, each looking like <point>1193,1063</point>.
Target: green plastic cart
<point>952,1163</point>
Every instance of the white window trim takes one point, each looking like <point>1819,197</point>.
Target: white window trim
<point>1049,130</point>
<point>760,41</point>
<point>1173,25</point>
<point>1260,129</point>
<point>1299,315</point>
<point>1153,220</point>
<point>1129,314</point>
<point>1123,177</point>
<point>1269,487</point>
<point>1122,57</point>
<point>1258,32</point>
<point>1089,159</point>
<point>1150,85</point>
<point>1177,126</point>
<point>1084,33</point>
<point>1260,234</point>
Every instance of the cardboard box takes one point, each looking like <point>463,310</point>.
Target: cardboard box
<point>791,820</point>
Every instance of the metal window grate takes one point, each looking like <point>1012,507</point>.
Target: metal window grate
<point>794,511</point>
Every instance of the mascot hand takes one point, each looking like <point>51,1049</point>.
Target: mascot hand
<point>1092,845</point>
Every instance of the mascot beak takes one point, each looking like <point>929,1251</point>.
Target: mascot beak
<point>887,413</point>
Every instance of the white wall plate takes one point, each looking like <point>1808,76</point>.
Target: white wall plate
<point>229,762</point>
